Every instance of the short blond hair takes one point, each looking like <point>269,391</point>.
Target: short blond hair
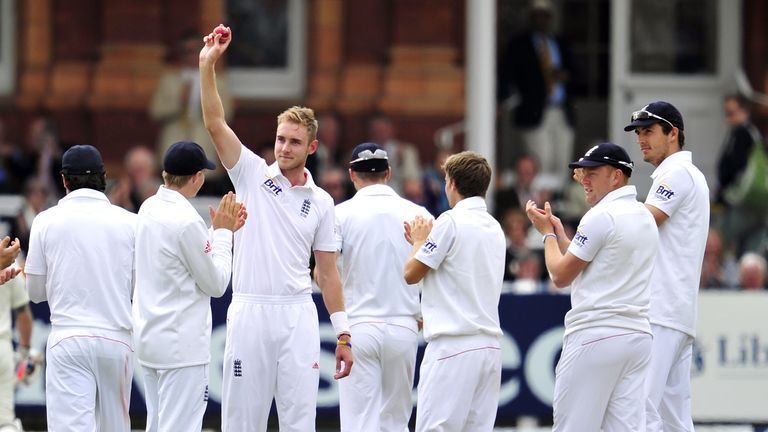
<point>176,181</point>
<point>303,116</point>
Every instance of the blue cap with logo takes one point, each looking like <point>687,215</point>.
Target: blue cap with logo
<point>606,154</point>
<point>656,112</point>
<point>186,158</point>
<point>369,157</point>
<point>82,159</point>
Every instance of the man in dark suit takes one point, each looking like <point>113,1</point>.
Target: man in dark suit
<point>537,65</point>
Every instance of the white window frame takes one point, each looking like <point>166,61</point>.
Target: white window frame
<point>8,47</point>
<point>263,83</point>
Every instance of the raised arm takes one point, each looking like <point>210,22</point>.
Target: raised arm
<point>227,144</point>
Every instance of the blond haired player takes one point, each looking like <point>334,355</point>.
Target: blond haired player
<point>273,341</point>
<point>179,267</point>
<point>607,341</point>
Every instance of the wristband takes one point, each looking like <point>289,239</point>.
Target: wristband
<point>344,343</point>
<point>340,322</point>
<point>544,238</point>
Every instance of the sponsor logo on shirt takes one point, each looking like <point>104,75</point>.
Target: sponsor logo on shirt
<point>429,246</point>
<point>237,368</point>
<point>305,208</point>
<point>272,187</point>
<point>663,192</point>
<point>580,238</point>
<point>208,247</point>
<point>315,366</point>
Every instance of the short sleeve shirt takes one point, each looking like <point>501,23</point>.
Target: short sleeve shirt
<point>680,191</point>
<point>285,223</point>
<point>618,238</point>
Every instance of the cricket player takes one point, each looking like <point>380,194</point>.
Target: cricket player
<point>383,309</point>
<point>273,342</point>
<point>607,341</point>
<point>81,260</point>
<point>461,263</point>
<point>179,267</point>
<point>679,203</point>
<point>13,298</point>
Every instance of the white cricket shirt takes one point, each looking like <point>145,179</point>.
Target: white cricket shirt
<point>84,247</point>
<point>618,237</point>
<point>679,190</point>
<point>178,270</point>
<point>285,223</point>
<point>373,251</point>
<point>465,250</point>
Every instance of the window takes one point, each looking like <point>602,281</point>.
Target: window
<point>267,56</point>
<point>674,36</point>
<point>7,45</point>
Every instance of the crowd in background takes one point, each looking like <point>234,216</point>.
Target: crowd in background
<point>735,256</point>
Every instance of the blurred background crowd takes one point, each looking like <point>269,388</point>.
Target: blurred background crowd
<point>129,85</point>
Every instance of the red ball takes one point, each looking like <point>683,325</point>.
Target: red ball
<point>223,32</point>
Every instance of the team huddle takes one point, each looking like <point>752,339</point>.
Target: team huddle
<point>118,282</point>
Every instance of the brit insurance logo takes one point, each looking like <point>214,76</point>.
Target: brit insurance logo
<point>580,238</point>
<point>305,206</point>
<point>272,187</point>
<point>429,246</point>
<point>663,192</point>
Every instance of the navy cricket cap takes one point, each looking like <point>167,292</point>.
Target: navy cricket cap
<point>185,158</point>
<point>369,157</point>
<point>606,154</point>
<point>656,112</point>
<point>82,159</point>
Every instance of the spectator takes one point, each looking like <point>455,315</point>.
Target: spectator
<point>752,271</point>
<point>140,181</point>
<point>7,183</point>
<point>40,156</point>
<point>176,107</point>
<point>433,182</point>
<point>334,181</point>
<point>537,65</point>
<point>37,197</point>
<point>526,185</point>
<point>716,271</point>
<point>328,153</point>
<point>742,221</point>
<point>403,158</point>
<point>516,227</point>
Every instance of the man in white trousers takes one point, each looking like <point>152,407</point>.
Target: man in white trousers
<point>461,263</point>
<point>607,341</point>
<point>383,309</point>
<point>81,260</point>
<point>679,202</point>
<point>179,267</point>
<point>273,341</point>
<point>13,301</point>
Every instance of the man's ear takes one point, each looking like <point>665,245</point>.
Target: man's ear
<point>312,147</point>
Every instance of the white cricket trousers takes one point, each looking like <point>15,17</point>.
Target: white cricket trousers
<point>7,383</point>
<point>599,381</point>
<point>272,351</point>
<point>376,396</point>
<point>176,398</point>
<point>551,142</point>
<point>668,384</point>
<point>88,379</point>
<point>459,384</point>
